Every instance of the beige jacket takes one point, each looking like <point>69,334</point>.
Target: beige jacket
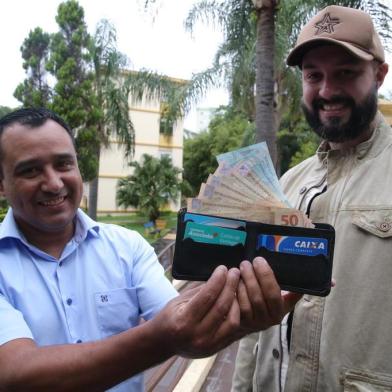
<point>342,342</point>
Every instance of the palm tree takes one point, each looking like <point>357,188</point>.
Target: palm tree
<point>115,86</point>
<point>152,185</point>
<point>112,97</point>
<point>257,37</point>
<point>265,78</point>
<point>234,62</point>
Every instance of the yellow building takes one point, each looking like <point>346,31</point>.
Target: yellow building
<point>386,109</point>
<point>145,116</point>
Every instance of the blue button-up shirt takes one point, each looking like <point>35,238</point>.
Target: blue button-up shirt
<point>105,280</point>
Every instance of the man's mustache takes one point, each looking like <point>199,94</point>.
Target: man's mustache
<point>319,103</point>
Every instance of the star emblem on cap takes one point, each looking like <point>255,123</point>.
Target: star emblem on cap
<point>326,25</point>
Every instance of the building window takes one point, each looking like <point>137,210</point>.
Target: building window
<point>166,123</point>
<point>166,153</point>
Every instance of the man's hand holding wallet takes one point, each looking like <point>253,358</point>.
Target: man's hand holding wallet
<point>241,213</point>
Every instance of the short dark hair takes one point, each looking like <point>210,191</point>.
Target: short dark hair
<point>33,117</point>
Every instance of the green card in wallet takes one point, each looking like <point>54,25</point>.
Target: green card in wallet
<point>300,257</point>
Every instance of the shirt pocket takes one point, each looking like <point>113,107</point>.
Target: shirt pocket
<point>363,381</point>
<point>117,310</point>
<point>377,222</point>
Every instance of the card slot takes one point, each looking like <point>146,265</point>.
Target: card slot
<point>196,260</point>
<point>299,273</point>
<point>218,224</point>
<point>320,230</point>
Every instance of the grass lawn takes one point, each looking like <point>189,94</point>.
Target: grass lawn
<point>135,221</point>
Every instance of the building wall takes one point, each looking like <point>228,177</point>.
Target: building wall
<point>385,107</point>
<point>145,117</point>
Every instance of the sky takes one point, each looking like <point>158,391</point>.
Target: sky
<point>155,40</point>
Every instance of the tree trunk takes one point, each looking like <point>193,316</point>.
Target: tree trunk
<point>93,194</point>
<point>93,198</point>
<point>265,107</point>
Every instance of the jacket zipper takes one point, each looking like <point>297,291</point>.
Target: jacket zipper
<point>307,211</point>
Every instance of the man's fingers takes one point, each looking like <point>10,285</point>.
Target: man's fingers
<point>244,303</point>
<point>269,287</point>
<point>192,285</point>
<point>253,291</point>
<point>220,309</point>
<point>191,290</point>
<point>184,297</point>
<point>206,297</point>
<point>228,330</point>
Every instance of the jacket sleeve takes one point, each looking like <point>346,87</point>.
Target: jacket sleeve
<point>245,364</point>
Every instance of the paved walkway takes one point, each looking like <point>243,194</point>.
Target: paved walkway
<point>221,373</point>
<point>177,374</point>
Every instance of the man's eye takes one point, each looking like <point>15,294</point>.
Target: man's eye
<point>65,165</point>
<point>346,73</point>
<point>312,77</point>
<point>29,172</point>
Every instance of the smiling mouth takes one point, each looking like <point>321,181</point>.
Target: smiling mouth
<point>333,107</point>
<point>53,202</point>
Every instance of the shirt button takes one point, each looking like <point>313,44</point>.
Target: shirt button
<point>385,226</point>
<point>69,301</point>
<point>275,353</point>
<point>60,264</point>
<point>78,341</point>
<point>302,190</point>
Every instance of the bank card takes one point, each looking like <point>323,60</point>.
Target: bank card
<point>214,234</point>
<point>295,245</point>
<point>213,221</point>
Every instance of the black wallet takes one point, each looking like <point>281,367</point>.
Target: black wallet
<point>301,258</point>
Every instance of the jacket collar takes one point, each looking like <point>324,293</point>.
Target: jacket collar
<point>380,139</point>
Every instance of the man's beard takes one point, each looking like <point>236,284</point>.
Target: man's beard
<point>362,115</point>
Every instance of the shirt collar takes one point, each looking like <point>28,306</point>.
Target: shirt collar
<point>84,226</point>
<point>9,228</point>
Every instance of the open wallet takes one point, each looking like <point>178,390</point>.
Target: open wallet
<point>301,258</point>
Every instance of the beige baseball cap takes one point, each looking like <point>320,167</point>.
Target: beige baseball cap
<point>350,28</point>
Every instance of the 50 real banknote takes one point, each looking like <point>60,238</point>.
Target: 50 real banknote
<point>245,186</point>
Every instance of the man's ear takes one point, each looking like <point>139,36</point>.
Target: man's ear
<point>381,72</point>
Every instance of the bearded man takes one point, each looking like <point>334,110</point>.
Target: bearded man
<point>341,342</point>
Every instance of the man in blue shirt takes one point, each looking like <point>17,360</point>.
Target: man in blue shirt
<point>72,290</point>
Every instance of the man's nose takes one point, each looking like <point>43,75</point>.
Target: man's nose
<point>52,181</point>
<point>329,88</point>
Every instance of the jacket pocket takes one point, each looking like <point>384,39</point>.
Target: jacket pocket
<point>117,310</point>
<point>361,381</point>
<point>377,222</point>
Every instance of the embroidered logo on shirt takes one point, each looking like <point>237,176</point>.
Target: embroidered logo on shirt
<point>326,25</point>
